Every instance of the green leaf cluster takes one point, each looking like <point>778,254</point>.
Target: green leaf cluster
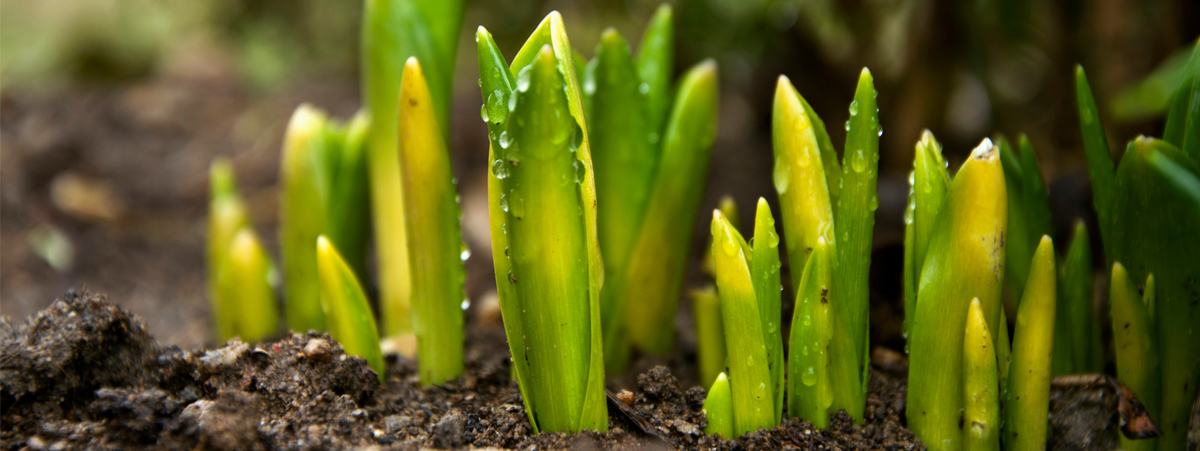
<point>1149,212</point>
<point>345,305</point>
<point>242,277</point>
<point>827,207</point>
<point>651,147</point>
<point>323,190</point>
<point>542,204</point>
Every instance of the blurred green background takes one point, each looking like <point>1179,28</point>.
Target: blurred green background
<point>110,111</point>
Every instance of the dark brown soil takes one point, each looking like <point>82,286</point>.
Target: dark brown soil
<point>85,374</point>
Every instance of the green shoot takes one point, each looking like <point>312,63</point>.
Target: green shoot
<point>349,315</point>
<point>1028,209</point>
<point>1099,160</point>
<point>546,228</point>
<point>810,391</point>
<point>1135,348</point>
<point>653,278</point>
<point>1027,394</point>
<point>710,334</point>
<point>393,31</point>
<point>855,219</point>
<point>245,280</point>
<point>764,272</point>
<point>1077,345</point>
<point>981,424</point>
<point>435,244</point>
<point>718,408</point>
<point>1156,211</point>
<point>965,260</point>
<point>226,216</point>
<point>750,371</point>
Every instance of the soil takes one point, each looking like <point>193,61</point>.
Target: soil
<point>85,374</point>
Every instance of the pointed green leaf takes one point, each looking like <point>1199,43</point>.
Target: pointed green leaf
<point>1077,345</point>
<point>799,177</point>
<point>981,417</point>
<point>659,259</point>
<point>303,215</point>
<point>1028,209</point>
<point>1099,160</point>
<point>655,65</point>
<point>810,388</point>
<point>855,215</point>
<point>435,241</point>
<point>965,260</point>
<point>930,185</point>
<point>710,334</point>
<point>749,365</point>
<point>1152,95</point>
<point>718,408</point>
<point>728,208</point>
<point>349,206</point>
<point>246,285</point>
<point>349,315</point>
<point>764,270</point>
<point>1027,394</point>
<point>1135,349</point>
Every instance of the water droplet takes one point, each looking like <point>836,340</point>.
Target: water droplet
<point>499,169</point>
<point>858,161</point>
<point>880,131</point>
<point>523,78</point>
<point>506,251</point>
<point>466,303</point>
<point>846,236</point>
<point>803,349</point>
<point>809,377</point>
<point>504,141</point>
<point>749,360</point>
<point>782,174</point>
<point>644,88</point>
<point>512,103</point>
<point>807,320</point>
<point>771,327</point>
<point>580,171</point>
<point>504,203</point>
<point>874,203</point>
<point>1087,115</point>
<point>483,113</point>
<point>772,238</point>
<point>465,254</point>
<point>654,138</point>
<point>854,108</point>
<point>912,176</point>
<point>847,125</point>
<point>927,187</point>
<point>762,390</point>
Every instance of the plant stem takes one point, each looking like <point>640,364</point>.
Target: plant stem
<point>764,271</point>
<point>810,391</point>
<point>710,334</point>
<point>980,386</point>
<point>350,320</point>
<point>1134,347</point>
<point>718,408</point>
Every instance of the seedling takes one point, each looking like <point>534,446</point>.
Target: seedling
<point>349,315</point>
<point>1027,393</point>
<point>435,245</point>
<point>815,193</point>
<point>226,215</point>
<point>542,203</point>
<point>651,156</point>
<point>247,290</point>
<point>718,408</point>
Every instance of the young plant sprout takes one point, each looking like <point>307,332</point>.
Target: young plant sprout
<point>1028,209</point>
<point>744,283</point>
<point>981,389</point>
<point>1135,348</point>
<point>1077,345</point>
<point>1149,211</point>
<point>393,31</point>
<point>226,216</point>
<point>706,310</point>
<point>247,289</point>
<point>964,260</point>
<point>811,359</point>
<point>435,245</point>
<point>929,185</point>
<point>542,203</point>
<point>718,408</point>
<point>815,193</point>
<point>323,190</point>
<point>345,304</point>
<point>1027,393</point>
<point>651,156</point>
